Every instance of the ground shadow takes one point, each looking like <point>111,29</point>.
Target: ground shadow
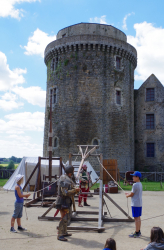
<point>86,243</point>
<point>3,213</point>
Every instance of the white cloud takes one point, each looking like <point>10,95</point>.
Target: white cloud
<point>149,44</point>
<point>101,20</point>
<point>38,42</point>
<point>9,101</point>
<point>19,147</point>
<point>7,8</point>
<point>18,123</point>
<point>10,81</point>
<point>34,95</point>
<point>124,26</point>
<point>9,78</point>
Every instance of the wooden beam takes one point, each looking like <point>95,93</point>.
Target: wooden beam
<point>32,201</point>
<point>86,228</point>
<point>109,198</point>
<point>117,220</point>
<point>31,175</point>
<point>52,206</point>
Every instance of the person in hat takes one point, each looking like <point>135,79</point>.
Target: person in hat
<point>136,203</point>
<point>84,179</point>
<point>18,204</point>
<point>66,190</point>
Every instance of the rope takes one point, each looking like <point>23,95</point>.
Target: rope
<point>113,180</point>
<point>110,175</point>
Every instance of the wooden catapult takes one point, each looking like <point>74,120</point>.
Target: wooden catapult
<point>40,189</point>
<point>86,151</point>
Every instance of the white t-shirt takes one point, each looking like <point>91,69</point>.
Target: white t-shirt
<point>136,200</point>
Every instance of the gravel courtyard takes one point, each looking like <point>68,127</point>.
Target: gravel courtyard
<point>42,235</point>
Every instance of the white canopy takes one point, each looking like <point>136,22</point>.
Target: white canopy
<point>26,167</point>
<point>76,165</point>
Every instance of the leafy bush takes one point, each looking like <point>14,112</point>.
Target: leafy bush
<point>11,165</point>
<point>145,179</point>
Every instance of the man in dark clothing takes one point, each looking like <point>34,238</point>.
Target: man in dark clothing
<point>66,189</point>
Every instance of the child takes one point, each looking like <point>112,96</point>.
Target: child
<point>156,239</point>
<point>136,203</point>
<point>18,204</point>
<point>110,244</point>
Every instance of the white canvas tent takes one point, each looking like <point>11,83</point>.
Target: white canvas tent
<point>76,164</point>
<point>26,167</point>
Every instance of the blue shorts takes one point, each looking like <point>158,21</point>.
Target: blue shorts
<point>18,210</point>
<point>136,211</point>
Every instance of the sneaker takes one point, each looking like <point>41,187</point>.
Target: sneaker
<point>13,230</point>
<point>135,235</point>
<point>139,233</point>
<point>22,228</point>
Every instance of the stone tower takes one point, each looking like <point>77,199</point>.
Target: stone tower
<point>90,74</point>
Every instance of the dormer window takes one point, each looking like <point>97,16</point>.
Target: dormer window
<point>149,94</point>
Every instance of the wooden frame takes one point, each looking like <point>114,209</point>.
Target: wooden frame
<point>86,151</point>
<point>38,183</point>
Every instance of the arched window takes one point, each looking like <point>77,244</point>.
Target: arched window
<point>95,142</point>
<point>55,142</point>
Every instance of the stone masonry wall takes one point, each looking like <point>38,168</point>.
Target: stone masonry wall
<point>86,80</point>
<point>143,135</point>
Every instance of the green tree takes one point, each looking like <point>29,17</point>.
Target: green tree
<point>11,165</point>
<point>13,158</point>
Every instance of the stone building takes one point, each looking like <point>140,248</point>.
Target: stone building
<point>149,125</point>
<point>90,74</point>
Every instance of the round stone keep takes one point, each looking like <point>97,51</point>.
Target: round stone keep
<point>90,75</point>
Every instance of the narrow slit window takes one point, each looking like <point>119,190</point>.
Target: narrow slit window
<point>118,97</point>
<point>55,142</point>
<point>150,149</point>
<point>54,96</point>
<point>118,62</point>
<point>150,121</point>
<point>56,62</point>
<point>150,94</point>
<point>53,64</point>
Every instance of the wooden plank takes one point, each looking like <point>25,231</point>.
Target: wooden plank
<point>117,205</point>
<point>52,206</point>
<point>70,159</point>
<point>32,201</point>
<point>89,212</point>
<point>117,220</point>
<point>49,218</point>
<point>30,176</point>
<point>72,219</point>
<point>36,182</point>
<point>47,158</point>
<point>85,228</point>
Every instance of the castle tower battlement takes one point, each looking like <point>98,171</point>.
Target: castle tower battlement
<point>90,73</point>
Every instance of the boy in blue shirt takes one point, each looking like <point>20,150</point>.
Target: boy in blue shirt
<point>18,204</point>
<point>136,203</point>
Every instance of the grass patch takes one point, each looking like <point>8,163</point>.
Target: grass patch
<point>6,164</point>
<point>3,182</point>
<point>147,186</point>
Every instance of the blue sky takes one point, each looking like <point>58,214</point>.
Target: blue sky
<point>27,26</point>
